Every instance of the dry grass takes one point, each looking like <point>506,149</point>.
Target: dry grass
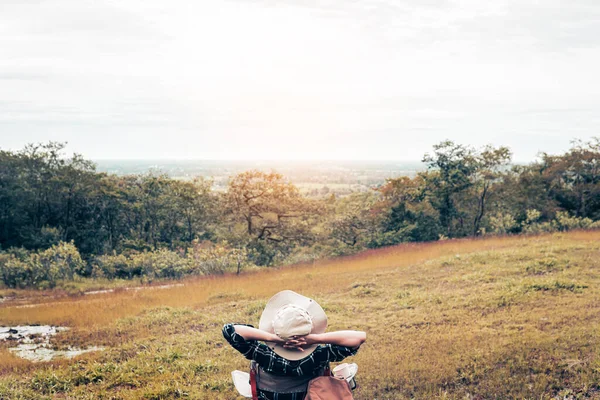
<point>513,317</point>
<point>83,311</point>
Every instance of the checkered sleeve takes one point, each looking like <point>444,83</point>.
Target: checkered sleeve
<point>237,341</point>
<point>339,353</point>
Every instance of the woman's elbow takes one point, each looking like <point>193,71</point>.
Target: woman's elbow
<point>359,338</point>
<point>362,337</point>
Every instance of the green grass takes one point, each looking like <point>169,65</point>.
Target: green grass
<point>489,319</point>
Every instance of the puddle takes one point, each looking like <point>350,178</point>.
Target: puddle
<point>33,342</point>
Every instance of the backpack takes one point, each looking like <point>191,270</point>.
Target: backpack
<point>324,387</point>
<point>328,388</point>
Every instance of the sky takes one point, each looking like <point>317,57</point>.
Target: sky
<point>298,79</point>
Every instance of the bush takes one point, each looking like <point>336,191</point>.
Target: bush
<point>42,269</point>
<point>503,223</point>
<point>113,266</point>
<point>564,222</point>
<point>539,227</point>
<point>61,261</point>
<point>14,272</point>
<point>561,222</point>
<point>162,263</point>
<point>217,259</point>
<point>392,237</point>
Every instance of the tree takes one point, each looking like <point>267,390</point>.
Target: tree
<point>573,179</point>
<point>197,206</point>
<point>274,214</point>
<point>408,215</point>
<point>451,167</point>
<point>42,188</point>
<point>489,164</point>
<point>355,219</point>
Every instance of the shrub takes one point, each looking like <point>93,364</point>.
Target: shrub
<point>162,263</point>
<point>533,216</point>
<point>533,225</point>
<point>61,261</point>
<point>405,234</point>
<point>42,269</point>
<point>113,266</point>
<point>503,223</point>
<point>561,222</point>
<point>14,272</point>
<point>542,227</point>
<point>564,222</point>
<point>217,259</point>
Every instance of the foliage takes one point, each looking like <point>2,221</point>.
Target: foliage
<point>460,182</point>
<point>573,179</point>
<point>268,215</point>
<point>451,166</point>
<point>161,263</point>
<point>503,223</point>
<point>565,222</point>
<point>354,219</point>
<point>42,269</point>
<point>113,266</point>
<point>207,259</point>
<point>46,197</point>
<point>149,226</point>
<point>218,259</point>
<point>408,215</point>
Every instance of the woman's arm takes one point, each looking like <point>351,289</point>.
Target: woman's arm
<point>249,333</point>
<point>340,338</point>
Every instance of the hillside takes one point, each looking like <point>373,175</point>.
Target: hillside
<point>513,317</point>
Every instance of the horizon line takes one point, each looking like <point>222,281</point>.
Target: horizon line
<point>277,160</point>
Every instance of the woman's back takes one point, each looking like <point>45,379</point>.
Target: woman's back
<point>296,349</point>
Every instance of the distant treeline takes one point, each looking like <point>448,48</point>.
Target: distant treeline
<point>61,220</point>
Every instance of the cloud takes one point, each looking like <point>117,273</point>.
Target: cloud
<point>16,75</point>
<point>65,17</point>
<point>550,25</point>
<point>244,76</point>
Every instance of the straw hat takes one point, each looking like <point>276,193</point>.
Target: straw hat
<point>290,314</point>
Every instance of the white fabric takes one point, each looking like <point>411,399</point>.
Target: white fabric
<point>241,380</point>
<point>345,371</point>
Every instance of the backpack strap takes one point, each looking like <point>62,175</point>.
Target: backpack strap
<point>253,372</point>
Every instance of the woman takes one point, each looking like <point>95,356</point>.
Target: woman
<point>296,347</point>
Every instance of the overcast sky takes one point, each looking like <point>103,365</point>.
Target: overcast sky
<point>299,79</point>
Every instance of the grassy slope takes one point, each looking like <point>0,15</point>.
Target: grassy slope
<point>495,318</point>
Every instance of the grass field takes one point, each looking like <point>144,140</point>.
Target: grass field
<point>496,318</point>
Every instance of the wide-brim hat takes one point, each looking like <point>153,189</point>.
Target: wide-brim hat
<point>282,301</point>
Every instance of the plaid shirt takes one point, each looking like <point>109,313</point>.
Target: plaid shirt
<point>273,363</point>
